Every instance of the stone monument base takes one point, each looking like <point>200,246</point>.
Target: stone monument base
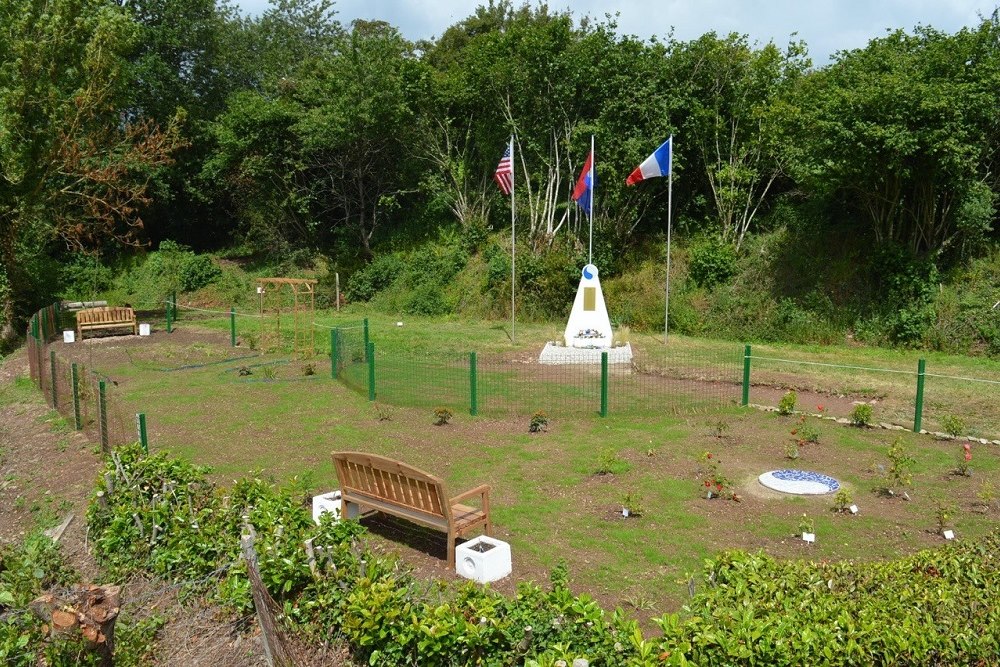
<point>557,354</point>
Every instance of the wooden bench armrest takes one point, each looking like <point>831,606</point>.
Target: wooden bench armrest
<point>483,491</point>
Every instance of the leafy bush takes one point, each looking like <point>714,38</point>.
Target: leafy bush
<point>713,261</point>
<point>786,405</point>
<point>952,425</point>
<point>610,464</point>
<point>799,610</point>
<point>363,285</point>
<point>842,500</point>
<point>197,271</point>
<point>862,415</point>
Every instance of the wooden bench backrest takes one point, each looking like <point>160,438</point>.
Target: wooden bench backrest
<point>105,315</point>
<point>394,481</point>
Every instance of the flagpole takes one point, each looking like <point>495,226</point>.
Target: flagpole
<point>513,239</point>
<point>670,197</point>
<point>593,189</point>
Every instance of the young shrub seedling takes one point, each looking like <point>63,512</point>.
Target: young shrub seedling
<point>862,415</point>
<point>442,416</point>
<point>786,405</point>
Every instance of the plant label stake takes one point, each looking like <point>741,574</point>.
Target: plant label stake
<point>809,537</point>
<point>949,534</point>
<point>854,509</point>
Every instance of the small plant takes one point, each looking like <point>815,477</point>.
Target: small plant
<point>842,500</point>
<point>610,464</point>
<point>806,525</point>
<point>632,505</point>
<point>244,371</point>
<point>964,459</point>
<point>861,415</point>
<point>786,405</point>
<point>252,339</point>
<point>899,473</point>
<point>943,513</point>
<point>269,372</point>
<point>953,426</point>
<point>539,421</point>
<point>716,485</point>
<point>792,451</point>
<point>719,429</point>
<point>806,432</point>
<point>650,452</point>
<point>309,369</point>
<point>986,494</point>
<point>383,412</point>
<point>442,416</point>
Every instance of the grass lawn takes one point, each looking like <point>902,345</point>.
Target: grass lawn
<point>549,501</point>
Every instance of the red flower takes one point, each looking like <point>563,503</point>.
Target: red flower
<point>794,431</point>
<point>820,408</point>
<point>708,483</point>
<point>719,486</point>
<point>710,455</point>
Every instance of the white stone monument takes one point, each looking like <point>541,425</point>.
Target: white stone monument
<point>588,331</point>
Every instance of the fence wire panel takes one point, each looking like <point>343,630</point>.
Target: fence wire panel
<point>962,406</point>
<point>675,380</point>
<point>522,386</point>
<point>353,369</point>
<point>423,381</point>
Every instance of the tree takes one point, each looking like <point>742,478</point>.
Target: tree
<point>904,130</point>
<point>733,92</point>
<point>72,168</point>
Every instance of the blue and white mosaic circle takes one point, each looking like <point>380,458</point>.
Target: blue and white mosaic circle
<point>800,482</point>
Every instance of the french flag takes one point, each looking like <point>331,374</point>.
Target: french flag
<point>657,164</point>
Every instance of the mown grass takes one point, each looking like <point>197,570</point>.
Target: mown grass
<point>547,501</point>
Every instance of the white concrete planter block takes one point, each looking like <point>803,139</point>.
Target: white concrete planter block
<point>143,329</point>
<point>330,502</point>
<point>483,559</point>
<point>69,336</point>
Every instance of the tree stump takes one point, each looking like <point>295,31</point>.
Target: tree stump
<point>90,610</point>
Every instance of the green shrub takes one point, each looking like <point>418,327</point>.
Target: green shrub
<point>953,426</point>
<point>442,416</point>
<point>862,415</point>
<point>610,464</point>
<point>898,474</point>
<point>198,271</point>
<point>539,421</point>
<point>786,405</point>
<point>713,261</point>
<point>363,285</point>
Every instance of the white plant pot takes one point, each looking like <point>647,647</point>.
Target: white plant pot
<point>69,336</point>
<point>483,559</point>
<point>330,502</point>
<point>143,329</point>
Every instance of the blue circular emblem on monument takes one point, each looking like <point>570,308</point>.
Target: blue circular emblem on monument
<point>590,272</point>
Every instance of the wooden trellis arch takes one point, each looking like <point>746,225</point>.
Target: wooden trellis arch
<point>271,292</point>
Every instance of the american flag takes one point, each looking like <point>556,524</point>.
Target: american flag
<point>504,175</point>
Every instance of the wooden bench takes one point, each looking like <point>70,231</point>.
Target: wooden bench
<point>390,486</point>
<point>105,318</point>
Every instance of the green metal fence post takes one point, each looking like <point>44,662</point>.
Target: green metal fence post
<point>173,303</point>
<point>58,314</point>
<point>604,384</point>
<point>366,336</point>
<point>170,321</point>
<point>77,421</point>
<point>473,385</point>
<point>52,367</point>
<point>919,412</point>
<point>746,376</point>
<point>102,404</point>
<point>34,326</point>
<point>334,353</point>
<point>140,426</point>
<point>370,351</point>
<point>232,327</point>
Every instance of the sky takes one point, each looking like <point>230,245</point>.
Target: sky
<point>826,26</point>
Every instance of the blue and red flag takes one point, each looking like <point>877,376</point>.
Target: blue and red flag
<point>583,193</point>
